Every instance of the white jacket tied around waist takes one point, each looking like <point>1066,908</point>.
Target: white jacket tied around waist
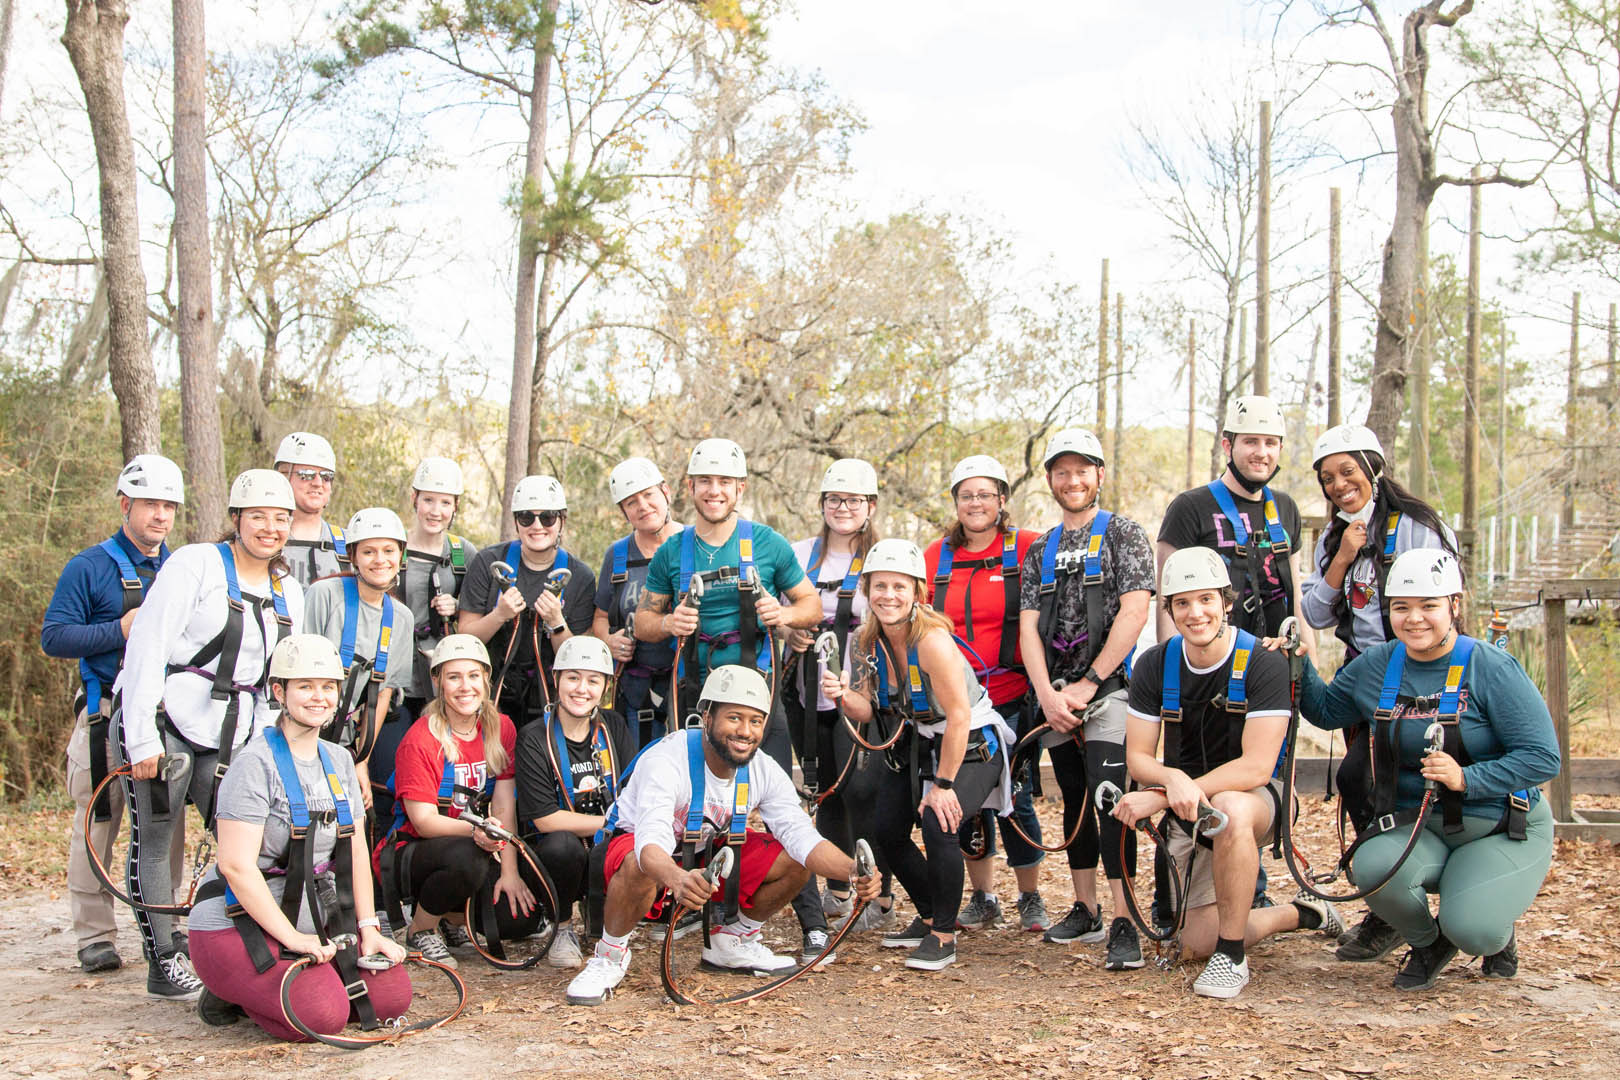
<point>184,610</point>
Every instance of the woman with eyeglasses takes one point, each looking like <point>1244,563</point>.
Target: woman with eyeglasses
<point>193,690</point>
<point>316,548</point>
<point>832,561</point>
<point>551,598</point>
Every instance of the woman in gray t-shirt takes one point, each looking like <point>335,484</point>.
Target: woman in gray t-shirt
<point>255,824</point>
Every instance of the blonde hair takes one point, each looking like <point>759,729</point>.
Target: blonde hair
<point>489,725</point>
<point>924,621</point>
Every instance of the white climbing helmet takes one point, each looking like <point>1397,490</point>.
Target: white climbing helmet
<point>583,653</point>
<point>979,465</point>
<point>736,685</point>
<point>152,476</point>
<point>851,475</point>
<point>1345,439</point>
<point>1193,569</point>
<point>717,457</point>
<point>374,523</point>
<point>303,448</point>
<point>305,656</point>
<point>261,487</point>
<point>1254,415</point>
<point>458,647</point>
<point>1420,573</point>
<point>631,477</point>
<point>438,474</point>
<point>897,557</point>
<point>1074,441</point>
<point>538,493</point>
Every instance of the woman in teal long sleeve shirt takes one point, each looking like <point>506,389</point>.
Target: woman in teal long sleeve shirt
<point>1484,858</point>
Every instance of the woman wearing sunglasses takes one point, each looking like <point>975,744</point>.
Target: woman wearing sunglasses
<point>524,620</point>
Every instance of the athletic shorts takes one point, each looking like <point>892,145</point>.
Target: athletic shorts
<point>759,853</point>
<point>1201,890</point>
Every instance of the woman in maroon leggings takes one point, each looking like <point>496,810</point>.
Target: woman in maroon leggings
<point>243,935</point>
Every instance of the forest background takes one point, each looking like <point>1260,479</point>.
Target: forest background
<point>539,236</point>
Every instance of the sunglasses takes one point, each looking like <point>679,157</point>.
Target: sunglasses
<point>547,518</point>
<point>309,476</point>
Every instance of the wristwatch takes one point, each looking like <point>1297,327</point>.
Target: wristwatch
<point>944,784</point>
<point>1091,676</point>
<point>559,628</point>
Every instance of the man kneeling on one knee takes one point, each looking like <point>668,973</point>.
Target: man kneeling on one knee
<point>1222,705</point>
<point>649,821</point>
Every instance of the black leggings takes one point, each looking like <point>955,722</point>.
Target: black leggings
<point>566,859</point>
<point>848,814</point>
<point>934,881</point>
<point>447,871</point>
<point>778,746</point>
<point>1355,777</point>
<point>1078,774</point>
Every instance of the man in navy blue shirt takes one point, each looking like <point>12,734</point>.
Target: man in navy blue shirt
<point>88,620</point>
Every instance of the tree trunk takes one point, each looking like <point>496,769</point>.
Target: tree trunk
<point>1414,191</point>
<point>524,303</point>
<point>94,38</point>
<point>6,12</point>
<point>199,366</point>
<point>542,352</point>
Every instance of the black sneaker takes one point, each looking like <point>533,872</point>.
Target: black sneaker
<point>1081,924</point>
<point>1372,939</point>
<point>181,943</point>
<point>171,977</point>
<point>215,1011</point>
<point>1164,921</point>
<point>910,937</point>
<point>100,956</point>
<point>1423,965</point>
<point>814,942</point>
<point>1124,947</point>
<point>931,954</point>
<point>1505,964</point>
<point>455,935</point>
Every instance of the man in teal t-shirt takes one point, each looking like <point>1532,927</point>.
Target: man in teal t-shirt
<point>721,549</point>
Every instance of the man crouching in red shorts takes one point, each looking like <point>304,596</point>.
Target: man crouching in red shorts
<point>652,812</point>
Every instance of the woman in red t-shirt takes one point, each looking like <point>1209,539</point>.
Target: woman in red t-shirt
<point>450,860</point>
<point>984,545</point>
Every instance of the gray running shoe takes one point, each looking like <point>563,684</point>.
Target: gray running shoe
<point>982,909</point>
<point>1372,939</point>
<point>1124,947</point>
<point>836,907</point>
<point>1032,916</point>
<point>1081,924</point>
<point>873,917</point>
<point>431,946</point>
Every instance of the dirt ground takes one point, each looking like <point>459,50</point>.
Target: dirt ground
<point>1011,1006</point>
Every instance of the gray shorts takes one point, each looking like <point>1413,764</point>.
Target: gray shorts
<point>1182,847</point>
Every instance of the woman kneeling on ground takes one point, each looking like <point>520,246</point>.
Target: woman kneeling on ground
<point>255,822</point>
<point>1486,848</point>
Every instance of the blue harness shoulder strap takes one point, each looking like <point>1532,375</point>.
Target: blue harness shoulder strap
<point>134,587</point>
<point>339,547</point>
<point>1240,530</point>
<point>1392,523</point>
<point>737,830</point>
<point>621,560</point>
<point>601,749</point>
<point>1170,683</point>
<point>1237,693</point>
<point>514,555</point>
<point>914,680</point>
<point>351,623</point>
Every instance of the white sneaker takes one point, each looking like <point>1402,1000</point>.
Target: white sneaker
<point>731,950</point>
<point>1222,978</point>
<point>603,971</point>
<point>564,951</point>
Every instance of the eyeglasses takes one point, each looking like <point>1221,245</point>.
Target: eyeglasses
<point>979,497</point>
<point>835,502</point>
<point>309,476</point>
<point>547,518</point>
<point>259,519</point>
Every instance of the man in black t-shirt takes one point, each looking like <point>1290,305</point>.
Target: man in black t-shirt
<point>1217,754</point>
<point>494,613</point>
<point>569,765</point>
<point>1242,519</point>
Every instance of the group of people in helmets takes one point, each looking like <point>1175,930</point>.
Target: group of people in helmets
<point>362,713</point>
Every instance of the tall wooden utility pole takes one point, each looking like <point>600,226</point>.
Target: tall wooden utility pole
<point>1262,261</point>
<point>1335,415</point>
<point>1243,356</point>
<point>1192,398</point>
<point>1471,420</point>
<point>1501,414</point>
<point>1102,356</point>
<point>1418,375</point>
<point>1116,445</point>
<point>1570,405</point>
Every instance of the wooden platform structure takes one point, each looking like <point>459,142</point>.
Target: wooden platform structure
<point>1555,597</point>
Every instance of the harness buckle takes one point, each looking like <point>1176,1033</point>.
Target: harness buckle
<point>1518,800</point>
<point>1384,823</point>
<point>220,768</point>
<point>1172,716</point>
<point>1251,603</point>
<point>355,990</point>
<point>1092,579</point>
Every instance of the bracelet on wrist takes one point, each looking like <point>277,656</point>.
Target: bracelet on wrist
<point>943,784</point>
<point>372,922</point>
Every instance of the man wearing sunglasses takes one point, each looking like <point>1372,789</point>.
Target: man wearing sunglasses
<point>315,549</point>
<point>524,623</point>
